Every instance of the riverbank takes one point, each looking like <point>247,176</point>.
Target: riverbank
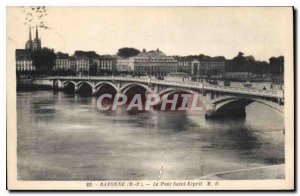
<point>34,84</point>
<point>259,173</point>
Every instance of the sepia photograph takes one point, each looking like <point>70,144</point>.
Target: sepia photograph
<point>150,98</point>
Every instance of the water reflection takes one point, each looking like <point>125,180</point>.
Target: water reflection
<point>64,136</point>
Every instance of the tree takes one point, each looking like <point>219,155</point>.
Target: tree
<point>277,65</point>
<point>249,64</point>
<point>237,64</point>
<point>127,52</point>
<point>93,69</point>
<point>88,54</point>
<point>43,60</point>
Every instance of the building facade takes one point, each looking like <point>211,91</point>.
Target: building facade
<point>184,65</point>
<point>73,63</point>
<point>82,65</point>
<point>200,68</point>
<point>125,64</point>
<point>212,67</point>
<point>62,62</point>
<point>106,63</point>
<point>24,60</point>
<point>154,63</point>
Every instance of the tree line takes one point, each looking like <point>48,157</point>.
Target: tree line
<point>242,63</point>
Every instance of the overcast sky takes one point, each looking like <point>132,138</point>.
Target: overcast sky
<point>261,32</point>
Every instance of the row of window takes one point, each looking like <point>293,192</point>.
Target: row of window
<point>83,67</point>
<point>24,62</point>
<point>26,67</point>
<point>155,60</point>
<point>105,63</point>
<point>105,67</point>
<point>160,69</point>
<point>155,65</point>
<point>151,73</point>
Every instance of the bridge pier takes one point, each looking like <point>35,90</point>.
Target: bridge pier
<point>234,113</point>
<point>57,85</point>
<point>54,84</point>
<point>76,88</point>
<point>210,111</point>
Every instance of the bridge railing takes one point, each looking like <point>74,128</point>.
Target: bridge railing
<point>277,93</point>
<point>178,83</point>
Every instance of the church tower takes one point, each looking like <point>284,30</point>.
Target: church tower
<point>29,43</point>
<point>36,41</point>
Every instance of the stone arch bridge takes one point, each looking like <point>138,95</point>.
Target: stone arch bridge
<point>221,101</point>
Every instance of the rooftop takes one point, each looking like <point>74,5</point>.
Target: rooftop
<point>152,54</point>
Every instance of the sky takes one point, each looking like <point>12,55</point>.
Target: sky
<point>219,31</point>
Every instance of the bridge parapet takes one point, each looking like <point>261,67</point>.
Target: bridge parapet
<point>247,91</point>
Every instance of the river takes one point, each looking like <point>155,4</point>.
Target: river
<point>65,137</point>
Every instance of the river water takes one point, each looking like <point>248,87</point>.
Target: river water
<point>65,137</point>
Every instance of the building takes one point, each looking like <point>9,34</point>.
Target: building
<point>154,63</point>
<point>106,63</point>
<point>83,61</point>
<point>34,45</point>
<point>24,61</point>
<point>125,64</point>
<point>89,62</point>
<point>62,62</point>
<point>212,67</point>
<point>188,65</point>
<point>73,66</point>
<point>184,64</point>
<point>82,65</point>
<point>201,67</point>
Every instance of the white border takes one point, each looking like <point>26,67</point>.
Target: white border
<point>107,3</point>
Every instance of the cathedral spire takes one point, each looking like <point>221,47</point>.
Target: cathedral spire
<point>29,43</point>
<point>36,42</point>
<point>36,32</point>
<point>30,33</point>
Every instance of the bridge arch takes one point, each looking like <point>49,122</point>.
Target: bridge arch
<point>84,87</point>
<point>221,103</point>
<point>99,85</point>
<point>65,83</point>
<point>127,87</point>
<point>81,83</point>
<point>235,106</point>
<point>69,86</point>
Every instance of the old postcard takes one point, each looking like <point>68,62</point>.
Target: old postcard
<point>150,98</point>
